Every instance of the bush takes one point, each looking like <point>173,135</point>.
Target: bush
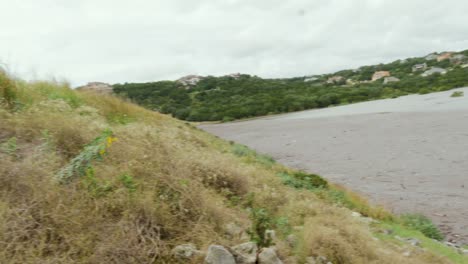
<point>7,91</point>
<point>261,222</point>
<point>81,164</point>
<point>457,94</point>
<point>302,180</point>
<point>243,151</point>
<point>423,224</point>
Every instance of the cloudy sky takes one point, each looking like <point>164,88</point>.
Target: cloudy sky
<point>146,40</point>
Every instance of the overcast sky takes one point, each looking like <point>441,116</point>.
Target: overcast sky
<point>147,40</point>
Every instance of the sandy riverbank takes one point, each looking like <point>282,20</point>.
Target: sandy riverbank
<point>409,154</point>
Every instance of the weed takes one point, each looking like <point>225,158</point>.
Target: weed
<point>457,94</point>
<point>302,180</point>
<point>128,182</point>
<point>261,222</point>
<point>9,147</point>
<point>423,224</point>
<point>8,93</point>
<point>93,186</point>
<point>93,151</point>
<point>283,225</point>
<point>243,151</point>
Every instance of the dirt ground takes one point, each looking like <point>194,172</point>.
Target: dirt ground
<point>409,154</point>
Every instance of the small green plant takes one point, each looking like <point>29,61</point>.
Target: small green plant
<point>423,224</point>
<point>227,119</point>
<point>9,147</point>
<point>240,150</point>
<point>283,225</point>
<point>457,94</point>
<point>302,180</point>
<point>128,182</point>
<point>82,162</point>
<point>243,151</point>
<point>66,95</point>
<point>47,140</point>
<point>261,222</point>
<point>93,186</point>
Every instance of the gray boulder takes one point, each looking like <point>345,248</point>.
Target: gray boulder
<point>219,255</point>
<point>185,251</point>
<point>268,256</point>
<point>245,253</point>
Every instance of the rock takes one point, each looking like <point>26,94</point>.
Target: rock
<point>245,253</point>
<point>310,260</point>
<point>414,242</point>
<point>219,255</point>
<point>355,214</point>
<point>322,260</point>
<point>268,256</point>
<point>291,240</point>
<point>270,235</point>
<point>98,87</point>
<point>233,230</point>
<point>185,251</point>
<point>388,231</point>
<point>407,254</point>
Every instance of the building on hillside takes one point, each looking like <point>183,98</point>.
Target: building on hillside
<point>98,87</point>
<point>235,75</point>
<point>351,82</point>
<point>390,79</point>
<point>335,79</point>
<point>458,59</point>
<point>432,56</point>
<point>310,79</point>
<point>434,70</point>
<point>190,80</point>
<point>444,56</point>
<point>419,67</point>
<point>380,74</point>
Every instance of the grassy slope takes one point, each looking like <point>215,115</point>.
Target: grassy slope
<point>161,183</point>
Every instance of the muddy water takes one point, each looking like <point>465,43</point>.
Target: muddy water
<point>409,154</point>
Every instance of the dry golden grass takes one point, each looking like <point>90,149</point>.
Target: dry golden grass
<point>185,187</point>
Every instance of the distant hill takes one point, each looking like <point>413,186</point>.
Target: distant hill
<point>235,96</point>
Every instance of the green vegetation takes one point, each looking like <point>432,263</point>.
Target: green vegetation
<point>302,180</point>
<point>9,147</point>
<point>228,98</point>
<point>423,224</point>
<point>81,164</point>
<point>457,94</point>
<point>68,196</point>
<point>261,222</point>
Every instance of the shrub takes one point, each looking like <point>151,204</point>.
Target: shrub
<point>128,182</point>
<point>243,151</point>
<point>7,90</point>
<point>261,222</point>
<point>302,180</point>
<point>79,165</point>
<point>457,94</point>
<point>423,224</point>
<point>94,187</point>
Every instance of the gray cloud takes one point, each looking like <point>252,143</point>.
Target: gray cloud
<point>144,40</point>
